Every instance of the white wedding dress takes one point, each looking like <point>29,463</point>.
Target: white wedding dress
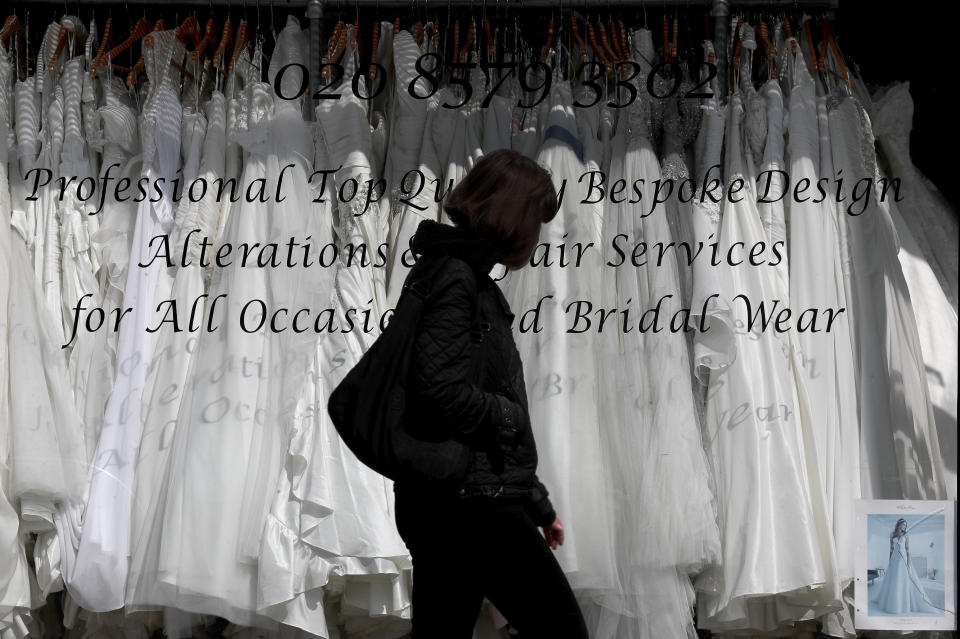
<point>664,520</point>
<point>98,577</point>
<point>346,510</point>
<point>203,155</point>
<point>900,456</point>
<point>927,228</point>
<point>233,427</point>
<point>816,281</point>
<point>900,591</point>
<point>560,368</point>
<point>777,564</point>
<point>19,312</point>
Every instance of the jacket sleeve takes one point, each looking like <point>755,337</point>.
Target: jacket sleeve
<point>442,366</point>
<point>540,509</point>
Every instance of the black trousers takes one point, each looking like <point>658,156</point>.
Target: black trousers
<point>466,549</point>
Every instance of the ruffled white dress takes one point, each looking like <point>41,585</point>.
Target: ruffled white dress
<point>235,421</point>
<point>17,300</point>
<point>98,578</point>
<point>346,510</point>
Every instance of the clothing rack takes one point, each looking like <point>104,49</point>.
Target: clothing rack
<point>316,11</point>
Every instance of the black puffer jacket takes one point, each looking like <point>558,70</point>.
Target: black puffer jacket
<point>444,397</point>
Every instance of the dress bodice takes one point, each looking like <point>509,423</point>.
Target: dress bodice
<point>193,128</point>
<point>73,158</point>
<point>160,123</point>
<point>900,544</point>
<point>291,48</point>
<point>734,165</point>
<point>637,116</point>
<point>804,134</point>
<point>52,130</point>
<point>681,122</point>
<point>892,120</point>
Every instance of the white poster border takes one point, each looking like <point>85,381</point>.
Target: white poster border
<point>905,508</point>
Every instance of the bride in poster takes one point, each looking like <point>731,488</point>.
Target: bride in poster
<point>900,592</point>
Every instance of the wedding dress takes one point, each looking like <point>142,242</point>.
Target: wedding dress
<point>932,221</point>
<point>826,355</point>
<point>652,447</point>
<point>114,132</point>
<point>560,367</point>
<point>97,579</point>
<point>714,344</point>
<point>202,148</point>
<point>900,454</point>
<point>346,520</point>
<point>409,126</point>
<point>781,569</point>
<point>925,223</point>
<point>16,302</point>
<point>900,591</point>
<point>231,433</point>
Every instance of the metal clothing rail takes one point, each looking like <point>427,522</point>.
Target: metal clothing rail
<point>315,13</point>
<point>720,9</point>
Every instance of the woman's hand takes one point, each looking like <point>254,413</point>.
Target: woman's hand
<point>554,534</point>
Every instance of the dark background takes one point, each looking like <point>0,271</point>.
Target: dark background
<point>919,42</point>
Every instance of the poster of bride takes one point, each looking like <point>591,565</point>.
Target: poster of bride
<point>905,565</point>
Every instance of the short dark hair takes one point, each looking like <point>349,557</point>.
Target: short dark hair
<point>505,198</point>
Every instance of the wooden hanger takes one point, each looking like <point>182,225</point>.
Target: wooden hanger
<point>614,40</point>
<point>769,48</point>
<point>242,39</point>
<point>105,40</point>
<point>61,42</point>
<point>592,38</point>
<point>666,42</point>
<point>334,38</point>
<point>548,42</point>
<point>471,34</point>
<point>789,32</point>
<point>338,46</point>
<point>375,42</point>
<point>189,29</point>
<point>832,42</point>
<point>577,40</point>
<point>223,49</point>
<point>676,37</point>
<point>456,41</point>
<point>605,43</point>
<point>11,27</point>
<point>209,37</point>
<point>140,29</point>
<point>160,25</point>
<point>817,64</point>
